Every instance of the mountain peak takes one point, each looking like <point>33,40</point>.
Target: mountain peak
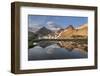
<point>43,28</point>
<point>70,27</point>
<point>43,31</point>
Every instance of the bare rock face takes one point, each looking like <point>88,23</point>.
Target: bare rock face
<point>70,31</point>
<point>82,30</point>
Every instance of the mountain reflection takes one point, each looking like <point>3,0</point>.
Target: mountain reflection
<point>54,52</point>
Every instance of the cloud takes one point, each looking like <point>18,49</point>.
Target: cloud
<point>52,26</point>
<point>34,27</point>
<point>50,22</point>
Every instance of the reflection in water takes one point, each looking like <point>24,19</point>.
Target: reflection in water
<point>54,52</point>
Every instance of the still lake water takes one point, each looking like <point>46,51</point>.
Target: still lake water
<point>54,52</point>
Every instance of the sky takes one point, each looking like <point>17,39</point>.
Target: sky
<point>61,21</point>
